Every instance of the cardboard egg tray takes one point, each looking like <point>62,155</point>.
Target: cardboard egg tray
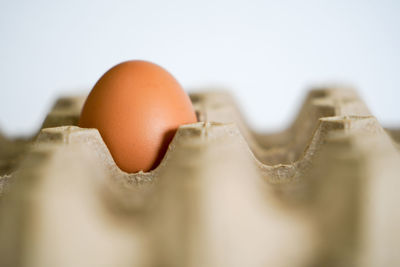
<point>323,192</point>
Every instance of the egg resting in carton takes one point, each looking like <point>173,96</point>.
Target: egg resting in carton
<point>321,193</point>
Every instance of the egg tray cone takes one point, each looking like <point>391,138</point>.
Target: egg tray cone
<point>323,192</point>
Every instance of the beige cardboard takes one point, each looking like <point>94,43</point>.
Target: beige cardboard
<point>323,192</point>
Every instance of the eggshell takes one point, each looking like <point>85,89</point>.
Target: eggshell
<point>137,107</point>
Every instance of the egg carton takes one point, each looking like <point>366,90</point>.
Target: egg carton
<point>323,192</point>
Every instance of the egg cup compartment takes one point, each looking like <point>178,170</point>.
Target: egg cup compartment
<point>320,193</point>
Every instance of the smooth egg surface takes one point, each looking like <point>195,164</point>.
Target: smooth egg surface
<point>137,107</point>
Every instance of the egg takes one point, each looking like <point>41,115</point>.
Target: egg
<point>137,107</point>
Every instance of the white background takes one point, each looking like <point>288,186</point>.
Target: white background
<point>268,53</point>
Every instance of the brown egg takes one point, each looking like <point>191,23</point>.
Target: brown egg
<point>137,107</point>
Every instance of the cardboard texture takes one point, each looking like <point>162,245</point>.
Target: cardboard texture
<point>323,192</point>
